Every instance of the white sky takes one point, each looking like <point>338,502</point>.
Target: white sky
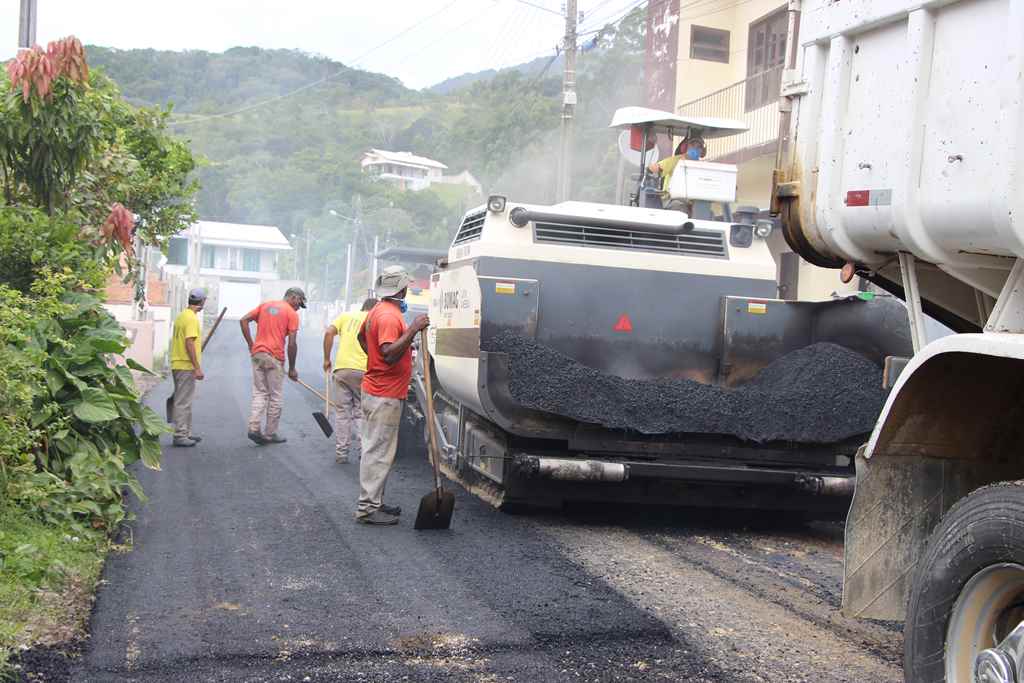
<point>455,36</point>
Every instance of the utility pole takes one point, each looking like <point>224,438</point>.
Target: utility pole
<point>373,264</point>
<point>348,274</point>
<point>27,24</point>
<point>564,181</point>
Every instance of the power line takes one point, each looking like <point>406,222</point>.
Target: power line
<point>319,81</point>
<point>540,7</point>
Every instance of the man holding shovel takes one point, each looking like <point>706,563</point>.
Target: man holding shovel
<point>348,369</point>
<point>186,354</point>
<point>276,322</point>
<point>386,340</point>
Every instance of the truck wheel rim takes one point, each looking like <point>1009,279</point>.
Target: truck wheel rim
<point>981,617</point>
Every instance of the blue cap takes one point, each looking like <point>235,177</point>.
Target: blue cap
<point>197,294</point>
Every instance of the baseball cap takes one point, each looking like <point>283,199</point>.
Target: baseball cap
<point>198,294</point>
<point>392,280</point>
<point>297,291</point>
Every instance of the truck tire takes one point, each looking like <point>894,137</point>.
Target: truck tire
<point>974,557</point>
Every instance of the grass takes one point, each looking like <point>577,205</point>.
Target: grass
<point>47,579</point>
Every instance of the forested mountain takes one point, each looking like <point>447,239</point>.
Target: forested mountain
<point>531,68</point>
<point>280,157</point>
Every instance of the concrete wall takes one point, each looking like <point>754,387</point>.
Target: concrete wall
<point>163,329</point>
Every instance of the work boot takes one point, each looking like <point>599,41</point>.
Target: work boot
<point>274,438</point>
<point>340,458</point>
<point>377,518</point>
<point>183,443</point>
<point>391,510</point>
<point>257,438</point>
<point>195,438</point>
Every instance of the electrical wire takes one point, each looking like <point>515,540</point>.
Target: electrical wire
<point>540,7</point>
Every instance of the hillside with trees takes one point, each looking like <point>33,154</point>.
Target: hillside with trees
<point>275,156</point>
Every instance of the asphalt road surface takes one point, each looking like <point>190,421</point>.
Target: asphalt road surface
<point>247,565</point>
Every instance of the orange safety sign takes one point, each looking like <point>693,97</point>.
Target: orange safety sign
<point>624,324</point>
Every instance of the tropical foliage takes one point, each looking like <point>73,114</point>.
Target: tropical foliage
<point>74,157</point>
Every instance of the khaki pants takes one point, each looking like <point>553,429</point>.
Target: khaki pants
<point>348,416</point>
<point>267,394</point>
<point>184,392</point>
<point>381,419</point>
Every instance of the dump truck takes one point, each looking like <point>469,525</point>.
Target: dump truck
<point>901,162</point>
<point>594,352</point>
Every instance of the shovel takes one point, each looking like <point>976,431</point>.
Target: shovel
<point>169,405</point>
<point>321,418</point>
<point>437,506</point>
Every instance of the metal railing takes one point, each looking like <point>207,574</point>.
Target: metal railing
<point>755,101</point>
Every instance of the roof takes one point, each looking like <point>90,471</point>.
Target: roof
<point>412,254</point>
<point>666,122</point>
<point>406,158</point>
<point>241,235</point>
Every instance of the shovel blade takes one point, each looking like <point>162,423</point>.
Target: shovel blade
<point>324,423</point>
<point>435,512</point>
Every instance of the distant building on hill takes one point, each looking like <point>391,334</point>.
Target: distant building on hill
<point>411,172</point>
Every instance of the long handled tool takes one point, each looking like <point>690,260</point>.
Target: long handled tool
<point>321,419</point>
<point>437,506</point>
<point>169,405</point>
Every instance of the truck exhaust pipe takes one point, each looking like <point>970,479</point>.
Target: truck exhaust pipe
<point>828,486</point>
<point>565,469</point>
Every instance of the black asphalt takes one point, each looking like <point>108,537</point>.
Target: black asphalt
<point>246,565</point>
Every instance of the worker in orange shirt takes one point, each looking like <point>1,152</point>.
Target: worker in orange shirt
<point>276,322</point>
<point>387,342</point>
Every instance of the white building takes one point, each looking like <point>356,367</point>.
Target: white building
<point>236,263</point>
<point>409,171</point>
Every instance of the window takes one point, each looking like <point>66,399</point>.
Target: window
<point>177,251</point>
<point>711,44</point>
<point>207,258</point>
<point>766,53</point>
<point>251,260</point>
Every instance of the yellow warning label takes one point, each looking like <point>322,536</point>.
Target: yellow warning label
<point>757,307</point>
<point>504,288</point>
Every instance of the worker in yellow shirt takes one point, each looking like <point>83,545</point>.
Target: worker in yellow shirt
<point>186,354</point>
<point>692,149</point>
<point>348,368</point>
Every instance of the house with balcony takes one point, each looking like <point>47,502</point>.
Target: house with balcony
<point>238,264</point>
<point>729,63</point>
<point>407,170</point>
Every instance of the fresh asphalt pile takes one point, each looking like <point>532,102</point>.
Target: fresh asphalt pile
<point>818,394</point>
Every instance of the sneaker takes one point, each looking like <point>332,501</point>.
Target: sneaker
<point>274,438</point>
<point>183,443</point>
<point>377,518</point>
<point>257,438</point>
<point>391,510</point>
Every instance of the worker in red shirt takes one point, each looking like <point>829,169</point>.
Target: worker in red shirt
<point>276,321</point>
<point>387,340</point>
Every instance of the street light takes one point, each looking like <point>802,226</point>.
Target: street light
<point>348,257</point>
<point>305,261</point>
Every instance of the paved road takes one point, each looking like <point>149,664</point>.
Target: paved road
<point>248,566</point>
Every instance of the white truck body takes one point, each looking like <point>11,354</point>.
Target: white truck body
<point>901,159</point>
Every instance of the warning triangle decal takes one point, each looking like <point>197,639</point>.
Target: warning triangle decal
<point>624,324</point>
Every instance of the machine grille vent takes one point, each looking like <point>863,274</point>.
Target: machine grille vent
<point>472,226</point>
<point>693,243</point>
